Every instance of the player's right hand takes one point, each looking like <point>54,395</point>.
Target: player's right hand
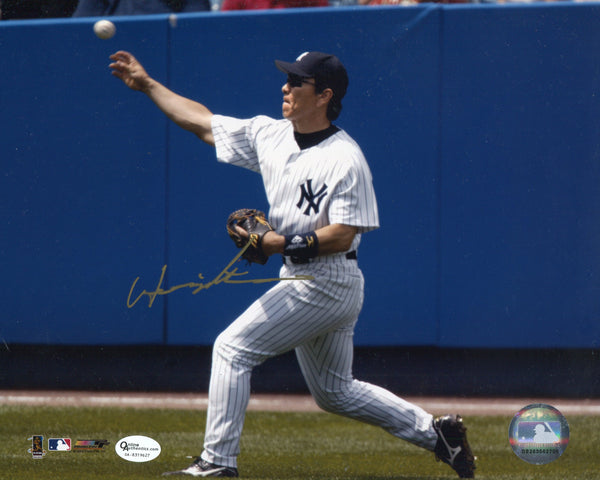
<point>126,67</point>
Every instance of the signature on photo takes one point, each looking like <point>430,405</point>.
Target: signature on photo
<point>227,275</point>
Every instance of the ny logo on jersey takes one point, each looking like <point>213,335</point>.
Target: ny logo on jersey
<point>312,198</point>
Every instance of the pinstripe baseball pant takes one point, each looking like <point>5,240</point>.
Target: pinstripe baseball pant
<point>316,318</point>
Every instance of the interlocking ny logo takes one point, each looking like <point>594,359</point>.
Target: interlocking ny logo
<point>313,198</point>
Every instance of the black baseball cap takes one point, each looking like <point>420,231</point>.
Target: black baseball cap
<point>325,68</point>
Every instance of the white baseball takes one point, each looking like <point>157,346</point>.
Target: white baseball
<point>104,29</point>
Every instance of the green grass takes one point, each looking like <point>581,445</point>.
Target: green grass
<point>275,446</point>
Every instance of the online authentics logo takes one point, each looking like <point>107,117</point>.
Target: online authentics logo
<point>137,448</point>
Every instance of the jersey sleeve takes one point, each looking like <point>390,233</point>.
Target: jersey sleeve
<point>353,201</point>
<point>235,140</point>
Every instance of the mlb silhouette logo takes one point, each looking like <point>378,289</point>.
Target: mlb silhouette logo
<point>539,432</point>
<point>59,444</point>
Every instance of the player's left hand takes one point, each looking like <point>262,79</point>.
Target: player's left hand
<point>250,225</point>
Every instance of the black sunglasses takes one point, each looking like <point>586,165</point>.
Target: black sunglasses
<point>297,80</point>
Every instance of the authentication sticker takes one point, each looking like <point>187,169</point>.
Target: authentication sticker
<point>37,446</point>
<point>137,448</point>
<point>538,434</point>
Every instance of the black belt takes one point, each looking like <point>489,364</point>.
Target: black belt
<point>298,261</point>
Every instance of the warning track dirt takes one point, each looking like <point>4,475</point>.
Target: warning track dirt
<point>284,402</point>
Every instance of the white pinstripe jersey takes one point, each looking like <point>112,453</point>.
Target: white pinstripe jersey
<point>306,189</point>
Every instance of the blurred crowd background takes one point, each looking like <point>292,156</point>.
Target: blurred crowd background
<point>31,9</point>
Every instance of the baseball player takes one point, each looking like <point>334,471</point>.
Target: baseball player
<point>321,198</point>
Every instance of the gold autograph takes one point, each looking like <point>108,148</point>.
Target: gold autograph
<point>225,276</point>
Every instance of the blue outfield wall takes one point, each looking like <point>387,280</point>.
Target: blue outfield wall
<point>481,125</point>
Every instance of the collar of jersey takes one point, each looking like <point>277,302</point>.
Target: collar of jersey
<point>308,140</point>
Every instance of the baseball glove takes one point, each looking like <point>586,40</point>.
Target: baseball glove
<point>255,223</point>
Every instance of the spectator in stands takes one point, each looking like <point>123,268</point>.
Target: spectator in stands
<point>24,9</point>
<point>100,8</point>
<point>413,2</point>
<point>267,4</point>
<point>387,2</point>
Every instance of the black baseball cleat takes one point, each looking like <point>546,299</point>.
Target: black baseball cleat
<point>202,468</point>
<point>452,446</point>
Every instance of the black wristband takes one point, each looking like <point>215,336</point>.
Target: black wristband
<point>301,245</point>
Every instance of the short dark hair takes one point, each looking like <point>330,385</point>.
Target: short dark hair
<point>334,107</point>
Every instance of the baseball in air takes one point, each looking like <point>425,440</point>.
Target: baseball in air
<point>104,29</point>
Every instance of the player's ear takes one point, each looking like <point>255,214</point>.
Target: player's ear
<point>325,96</point>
